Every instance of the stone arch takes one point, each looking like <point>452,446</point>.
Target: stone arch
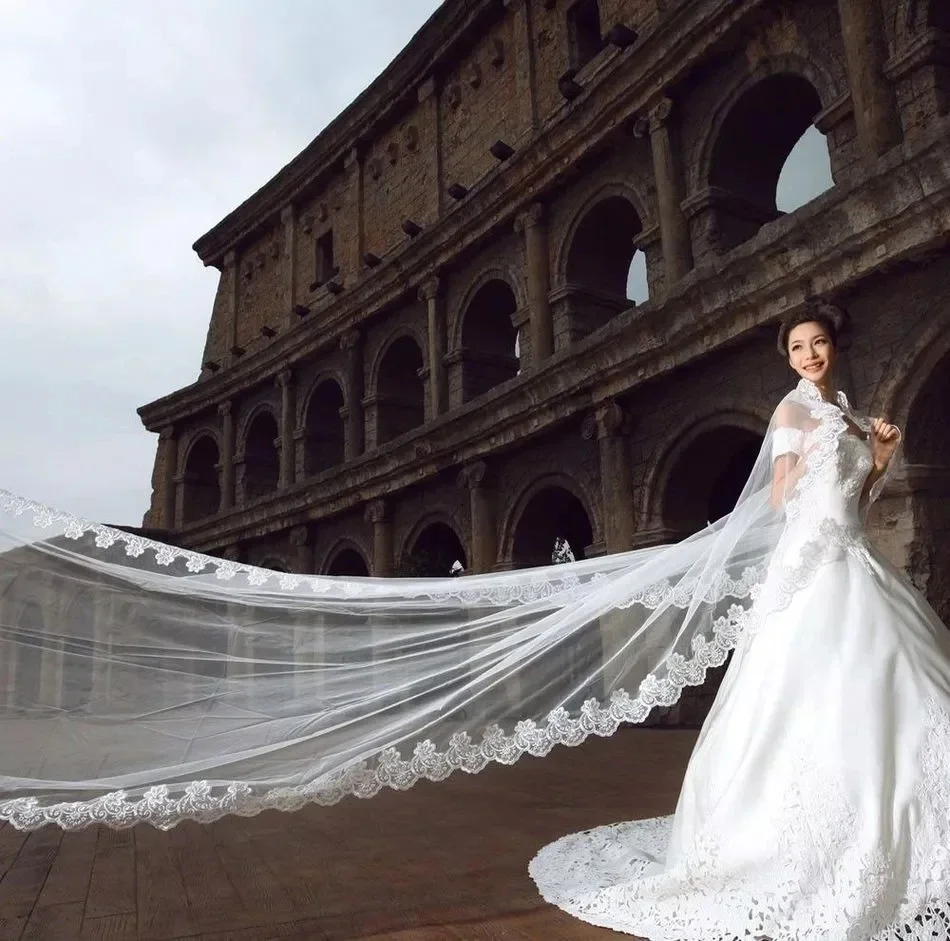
<point>276,563</point>
<point>598,261</point>
<point>515,282</point>
<point>701,470</point>
<point>398,387</point>
<point>78,652</point>
<point>486,346</point>
<point>553,506</point>
<point>28,689</point>
<point>912,518</point>
<point>324,431</point>
<point>346,558</point>
<point>901,385</point>
<point>201,496</point>
<point>259,461</point>
<point>736,178</point>
<point>431,548</point>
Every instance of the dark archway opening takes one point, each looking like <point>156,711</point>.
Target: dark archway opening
<point>752,153</point>
<point>400,390</point>
<point>553,517</point>
<point>202,490</point>
<point>325,436</point>
<point>927,451</point>
<point>605,270</point>
<point>489,340</point>
<point>708,477</point>
<point>437,552</point>
<point>703,487</point>
<point>348,562</point>
<point>261,457</point>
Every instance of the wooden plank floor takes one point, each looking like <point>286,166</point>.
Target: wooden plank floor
<point>442,862</point>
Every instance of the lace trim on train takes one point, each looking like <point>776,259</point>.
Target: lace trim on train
<point>825,884</point>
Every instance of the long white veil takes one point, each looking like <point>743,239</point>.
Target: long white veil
<point>149,683</point>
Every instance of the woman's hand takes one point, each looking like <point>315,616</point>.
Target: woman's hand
<point>884,441</point>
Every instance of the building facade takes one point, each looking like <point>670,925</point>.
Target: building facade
<point>425,348</point>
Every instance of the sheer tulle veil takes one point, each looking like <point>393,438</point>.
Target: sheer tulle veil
<point>149,683</point>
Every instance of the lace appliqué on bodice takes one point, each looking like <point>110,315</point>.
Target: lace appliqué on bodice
<point>838,459</point>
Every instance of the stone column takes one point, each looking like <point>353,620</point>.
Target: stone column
<point>670,192</point>
<point>230,277</point>
<point>300,539</point>
<point>522,41</point>
<point>484,554</point>
<point>226,466</point>
<point>285,382</point>
<point>377,513</point>
<point>607,424</point>
<point>532,223</point>
<point>430,292</point>
<point>352,346</point>
<point>288,218</point>
<point>169,445</point>
<point>875,105</point>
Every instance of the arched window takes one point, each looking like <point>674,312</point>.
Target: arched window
<point>261,458</point>
<point>325,437</point>
<point>606,273</point>
<point>400,390</point>
<point>766,152</point>
<point>202,491</point>
<point>489,340</point>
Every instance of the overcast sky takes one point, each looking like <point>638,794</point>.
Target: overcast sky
<point>128,129</point>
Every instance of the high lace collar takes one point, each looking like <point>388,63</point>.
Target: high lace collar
<point>809,391</point>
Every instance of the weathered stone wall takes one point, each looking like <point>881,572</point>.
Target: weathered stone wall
<point>641,417</point>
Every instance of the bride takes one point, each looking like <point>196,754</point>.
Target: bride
<point>816,803</point>
<point>144,683</point>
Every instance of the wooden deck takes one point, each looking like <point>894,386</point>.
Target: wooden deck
<point>442,862</point>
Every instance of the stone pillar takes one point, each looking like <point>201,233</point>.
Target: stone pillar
<point>301,541</point>
<point>875,105</point>
<point>226,467</point>
<point>670,192</point>
<point>482,495</point>
<point>230,277</point>
<point>352,346</point>
<point>285,382</point>
<point>288,218</point>
<point>377,513</point>
<point>169,445</point>
<point>522,41</point>
<point>430,292</point>
<point>607,424</point>
<point>532,223</point>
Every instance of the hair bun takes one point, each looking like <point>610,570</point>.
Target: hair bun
<point>837,315</point>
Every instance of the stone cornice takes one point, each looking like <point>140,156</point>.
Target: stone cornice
<point>621,90</point>
<point>712,308</point>
<point>451,25</point>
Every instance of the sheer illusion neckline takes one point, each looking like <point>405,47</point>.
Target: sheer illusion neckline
<point>839,404</point>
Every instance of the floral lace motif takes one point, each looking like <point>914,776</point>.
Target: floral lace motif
<point>824,882</point>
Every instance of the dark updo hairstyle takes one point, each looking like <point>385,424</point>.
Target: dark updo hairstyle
<point>833,318</point>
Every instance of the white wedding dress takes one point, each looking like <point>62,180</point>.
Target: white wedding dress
<point>816,804</point>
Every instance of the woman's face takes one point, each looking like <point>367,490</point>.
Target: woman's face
<point>810,351</point>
